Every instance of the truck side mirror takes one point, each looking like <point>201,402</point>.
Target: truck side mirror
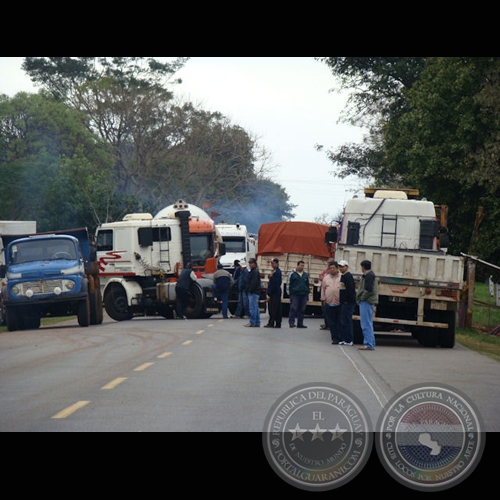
<point>222,249</point>
<point>331,235</point>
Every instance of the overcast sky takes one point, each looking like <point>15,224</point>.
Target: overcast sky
<point>284,101</point>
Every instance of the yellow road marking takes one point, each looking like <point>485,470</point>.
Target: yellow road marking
<point>199,332</point>
<point>187,342</point>
<point>71,409</point>
<point>143,367</point>
<point>114,383</point>
<point>164,355</point>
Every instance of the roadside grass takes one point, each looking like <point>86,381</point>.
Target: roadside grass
<point>485,317</point>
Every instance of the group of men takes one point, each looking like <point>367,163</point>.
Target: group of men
<point>338,296</point>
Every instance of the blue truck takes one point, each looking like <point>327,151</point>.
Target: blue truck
<point>50,275</point>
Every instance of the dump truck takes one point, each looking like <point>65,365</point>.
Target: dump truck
<point>50,275</point>
<point>419,283</point>
<point>291,241</point>
<point>141,257</point>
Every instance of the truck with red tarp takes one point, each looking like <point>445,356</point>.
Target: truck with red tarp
<point>291,241</point>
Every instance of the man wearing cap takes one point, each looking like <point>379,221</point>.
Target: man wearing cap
<point>274,294</point>
<point>347,303</point>
<point>253,289</point>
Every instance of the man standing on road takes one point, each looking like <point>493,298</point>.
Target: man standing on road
<point>253,288</point>
<point>182,290</point>
<point>298,290</point>
<point>330,296</point>
<point>222,283</point>
<point>242,309</point>
<point>367,299</point>
<point>274,294</point>
<point>347,303</point>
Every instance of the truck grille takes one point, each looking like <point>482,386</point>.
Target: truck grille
<point>40,287</point>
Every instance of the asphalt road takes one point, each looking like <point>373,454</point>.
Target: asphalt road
<point>152,374</point>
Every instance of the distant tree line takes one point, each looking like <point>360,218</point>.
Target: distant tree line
<point>104,137</point>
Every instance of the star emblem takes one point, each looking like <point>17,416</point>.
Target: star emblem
<point>317,433</point>
<point>297,432</point>
<point>337,433</point>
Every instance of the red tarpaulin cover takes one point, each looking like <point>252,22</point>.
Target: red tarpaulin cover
<point>306,238</point>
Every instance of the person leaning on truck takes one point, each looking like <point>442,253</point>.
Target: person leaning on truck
<point>298,290</point>
<point>182,290</point>
<point>367,299</point>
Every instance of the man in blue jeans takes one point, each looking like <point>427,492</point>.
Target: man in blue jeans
<point>222,283</point>
<point>298,290</point>
<point>254,286</point>
<point>367,299</point>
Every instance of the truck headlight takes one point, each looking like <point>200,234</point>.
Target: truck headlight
<point>16,290</point>
<point>69,284</point>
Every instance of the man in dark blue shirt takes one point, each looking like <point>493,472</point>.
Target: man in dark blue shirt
<point>274,294</point>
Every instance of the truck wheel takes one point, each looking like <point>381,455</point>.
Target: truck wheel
<point>83,313</point>
<point>96,312</point>
<point>429,337</point>
<point>12,319</point>
<point>447,337</point>
<point>116,304</point>
<point>195,307</point>
<point>32,323</point>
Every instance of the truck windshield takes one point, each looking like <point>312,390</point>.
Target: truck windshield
<point>201,248</point>
<point>35,250</point>
<point>234,244</point>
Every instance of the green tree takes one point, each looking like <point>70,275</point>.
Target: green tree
<point>42,145</point>
<point>62,76</point>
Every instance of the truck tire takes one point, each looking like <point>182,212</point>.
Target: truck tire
<point>31,323</point>
<point>96,312</point>
<point>116,304</point>
<point>447,337</point>
<point>429,337</point>
<point>83,313</point>
<point>195,307</point>
<point>12,319</point>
